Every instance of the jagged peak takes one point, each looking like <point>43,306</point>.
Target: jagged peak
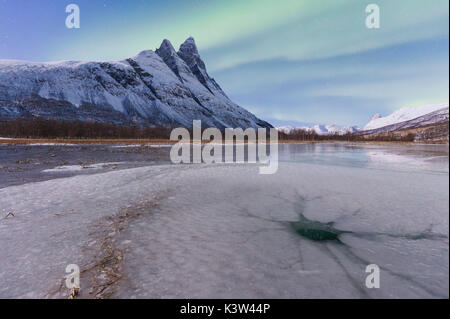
<point>166,48</point>
<point>172,59</point>
<point>189,53</point>
<point>187,61</point>
<point>189,46</point>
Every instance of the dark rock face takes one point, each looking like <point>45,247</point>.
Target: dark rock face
<point>161,88</point>
<point>37,106</point>
<point>189,53</point>
<point>170,57</point>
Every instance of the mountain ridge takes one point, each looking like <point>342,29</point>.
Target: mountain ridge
<point>406,119</point>
<point>321,129</point>
<point>153,88</point>
<point>402,115</point>
<point>439,116</point>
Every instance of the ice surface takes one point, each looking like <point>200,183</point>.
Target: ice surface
<point>159,145</point>
<point>143,145</point>
<point>50,144</point>
<point>227,233</point>
<point>403,114</point>
<point>224,231</point>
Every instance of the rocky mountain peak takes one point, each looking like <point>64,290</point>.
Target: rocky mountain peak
<point>166,49</point>
<point>152,88</point>
<point>189,53</point>
<point>189,47</point>
<point>171,58</point>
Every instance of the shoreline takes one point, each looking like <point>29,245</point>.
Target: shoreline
<point>142,142</point>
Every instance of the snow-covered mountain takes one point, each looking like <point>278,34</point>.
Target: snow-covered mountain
<point>161,87</point>
<point>431,126</point>
<point>321,129</point>
<point>403,119</point>
<point>405,114</point>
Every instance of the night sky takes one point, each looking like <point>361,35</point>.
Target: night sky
<point>286,60</point>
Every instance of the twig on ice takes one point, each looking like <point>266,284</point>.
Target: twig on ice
<point>9,214</point>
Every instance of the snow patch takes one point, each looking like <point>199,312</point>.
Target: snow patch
<point>76,168</point>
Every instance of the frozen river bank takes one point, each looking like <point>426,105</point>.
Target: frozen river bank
<point>146,229</point>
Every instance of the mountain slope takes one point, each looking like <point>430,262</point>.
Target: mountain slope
<point>402,115</point>
<point>430,127</point>
<point>161,87</point>
<point>433,118</point>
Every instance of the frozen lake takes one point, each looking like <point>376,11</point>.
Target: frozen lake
<point>140,227</point>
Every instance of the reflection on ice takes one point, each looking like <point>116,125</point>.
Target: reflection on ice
<point>389,157</point>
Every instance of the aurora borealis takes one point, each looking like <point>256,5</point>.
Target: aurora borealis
<point>288,60</point>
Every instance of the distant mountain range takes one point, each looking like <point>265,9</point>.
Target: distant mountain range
<point>321,129</point>
<point>404,119</point>
<point>154,88</point>
<point>426,123</point>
